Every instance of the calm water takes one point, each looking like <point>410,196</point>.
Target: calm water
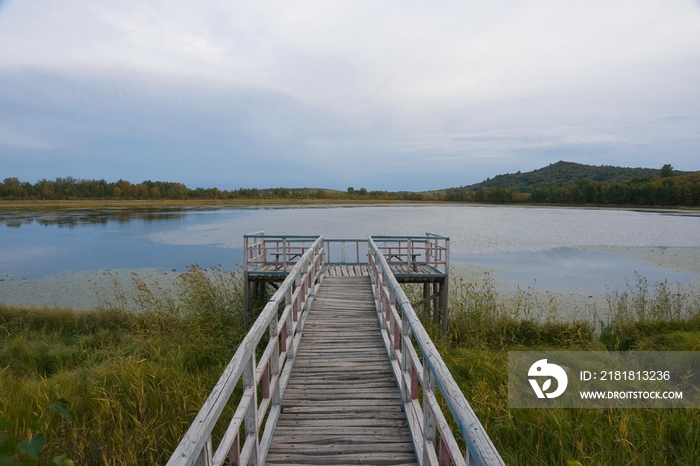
<point>527,246</point>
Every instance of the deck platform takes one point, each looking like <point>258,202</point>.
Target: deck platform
<point>403,272</point>
<point>342,404</point>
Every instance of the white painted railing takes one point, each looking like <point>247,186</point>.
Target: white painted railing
<point>431,249</point>
<point>346,251</point>
<point>433,438</point>
<point>255,419</point>
<point>283,251</point>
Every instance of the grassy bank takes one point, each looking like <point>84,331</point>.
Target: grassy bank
<point>485,325</point>
<point>136,372</point>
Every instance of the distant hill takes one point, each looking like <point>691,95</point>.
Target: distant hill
<point>564,173</point>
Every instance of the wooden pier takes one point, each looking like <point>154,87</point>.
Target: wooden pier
<point>346,373</point>
<point>412,259</point>
<point>342,405</point>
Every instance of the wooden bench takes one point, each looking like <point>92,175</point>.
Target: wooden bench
<point>291,258</point>
<point>400,258</point>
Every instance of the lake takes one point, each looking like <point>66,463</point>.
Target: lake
<point>574,250</point>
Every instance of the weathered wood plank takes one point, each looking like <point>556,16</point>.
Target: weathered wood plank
<point>370,440</point>
<point>352,431</point>
<point>335,408</point>
<point>376,458</point>
<point>330,448</point>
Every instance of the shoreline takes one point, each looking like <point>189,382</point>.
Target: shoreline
<point>58,205</point>
<point>41,205</point>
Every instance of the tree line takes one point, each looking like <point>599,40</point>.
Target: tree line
<point>79,189</point>
<point>663,190</point>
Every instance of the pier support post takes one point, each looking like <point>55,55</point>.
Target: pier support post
<point>436,301</point>
<point>246,294</point>
<point>443,307</point>
<point>426,295</point>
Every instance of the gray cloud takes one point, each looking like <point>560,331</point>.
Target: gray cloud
<point>505,141</point>
<point>399,95</point>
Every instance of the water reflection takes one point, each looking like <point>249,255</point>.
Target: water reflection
<point>526,245</point>
<point>73,218</point>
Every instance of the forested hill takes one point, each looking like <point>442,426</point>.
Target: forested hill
<point>565,173</point>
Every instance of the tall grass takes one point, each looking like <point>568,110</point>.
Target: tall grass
<point>481,317</point>
<point>641,317</point>
<point>135,372</point>
<point>485,324</point>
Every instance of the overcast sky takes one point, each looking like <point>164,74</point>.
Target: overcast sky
<point>397,95</point>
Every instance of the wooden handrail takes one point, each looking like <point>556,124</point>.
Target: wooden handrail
<point>297,292</point>
<point>400,331</point>
<point>284,250</point>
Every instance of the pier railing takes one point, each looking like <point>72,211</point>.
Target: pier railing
<point>431,249</point>
<point>255,418</point>
<point>433,439</point>
<point>346,251</point>
<point>282,252</point>
<point>279,251</point>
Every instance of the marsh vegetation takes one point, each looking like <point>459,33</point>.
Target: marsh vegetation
<point>485,324</point>
<point>136,371</point>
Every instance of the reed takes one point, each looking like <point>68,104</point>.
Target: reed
<point>136,371</point>
<point>662,317</point>
<point>485,324</point>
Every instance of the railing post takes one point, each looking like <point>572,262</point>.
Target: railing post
<point>380,295</point>
<point>323,255</point>
<point>205,457</point>
<point>309,271</point>
<point>245,253</point>
<point>291,319</point>
<point>396,329</point>
<point>429,423</point>
<point>246,293</point>
<point>283,335</point>
<point>406,362</point>
<point>284,253</point>
<point>387,313</point>
<point>444,457</point>
<point>445,289</point>
<point>234,455</point>
<point>274,364</point>
<point>251,415</point>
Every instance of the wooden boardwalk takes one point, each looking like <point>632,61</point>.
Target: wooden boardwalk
<point>341,379</point>
<point>342,404</point>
